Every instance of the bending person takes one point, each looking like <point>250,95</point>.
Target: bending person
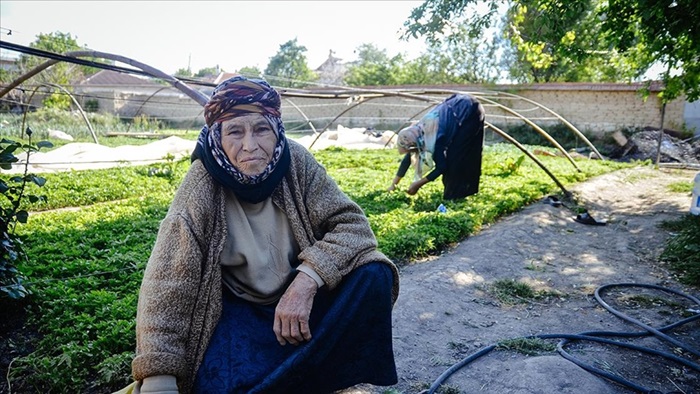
<point>447,141</point>
<point>264,277</point>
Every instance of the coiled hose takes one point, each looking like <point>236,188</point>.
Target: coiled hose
<point>598,336</point>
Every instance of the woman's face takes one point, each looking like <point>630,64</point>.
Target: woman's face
<point>249,142</point>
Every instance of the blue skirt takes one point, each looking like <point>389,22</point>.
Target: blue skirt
<point>351,342</point>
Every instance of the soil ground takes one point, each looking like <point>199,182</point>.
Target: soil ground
<point>447,310</point>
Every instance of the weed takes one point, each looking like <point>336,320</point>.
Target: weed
<point>510,291</point>
<point>527,346</point>
<point>448,389</point>
<point>681,187</point>
<point>682,250</point>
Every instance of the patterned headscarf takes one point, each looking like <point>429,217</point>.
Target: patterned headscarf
<point>234,97</point>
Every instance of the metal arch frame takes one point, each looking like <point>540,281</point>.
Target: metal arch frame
<point>561,118</point>
<point>532,124</point>
<point>80,109</point>
<point>486,124</point>
<point>195,95</point>
<point>549,110</point>
<point>202,99</point>
<point>413,95</point>
<point>144,103</point>
<point>530,155</point>
<point>306,118</point>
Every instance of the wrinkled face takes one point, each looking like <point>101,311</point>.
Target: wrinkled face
<point>249,142</point>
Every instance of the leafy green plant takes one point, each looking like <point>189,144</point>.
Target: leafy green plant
<point>166,169</point>
<point>14,189</point>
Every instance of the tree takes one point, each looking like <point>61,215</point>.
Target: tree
<point>60,73</point>
<point>207,71</point>
<point>463,59</point>
<point>183,73</point>
<point>374,67</point>
<point>667,31</point>
<point>250,72</point>
<point>566,41</point>
<point>288,68</point>
<point>556,40</point>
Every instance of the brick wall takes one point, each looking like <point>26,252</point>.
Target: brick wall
<point>592,108</point>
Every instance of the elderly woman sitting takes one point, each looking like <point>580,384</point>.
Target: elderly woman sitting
<point>447,141</point>
<point>265,277</point>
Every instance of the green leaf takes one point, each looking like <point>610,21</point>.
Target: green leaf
<point>44,144</point>
<point>39,181</point>
<point>22,216</point>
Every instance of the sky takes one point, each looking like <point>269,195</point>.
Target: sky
<point>172,35</point>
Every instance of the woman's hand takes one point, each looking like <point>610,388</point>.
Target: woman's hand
<point>394,182</point>
<point>415,186</point>
<point>293,311</point>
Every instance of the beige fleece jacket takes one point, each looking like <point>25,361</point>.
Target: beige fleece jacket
<point>180,299</point>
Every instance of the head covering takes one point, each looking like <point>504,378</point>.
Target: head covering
<point>234,97</point>
<point>408,137</point>
<point>412,138</point>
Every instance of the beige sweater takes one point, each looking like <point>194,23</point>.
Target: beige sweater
<point>180,297</point>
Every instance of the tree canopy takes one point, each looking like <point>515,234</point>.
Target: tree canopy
<point>577,40</point>
<point>289,68</point>
<point>58,74</point>
<point>667,31</point>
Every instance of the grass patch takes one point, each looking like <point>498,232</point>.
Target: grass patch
<point>510,291</point>
<point>527,346</point>
<point>682,249</point>
<point>681,187</point>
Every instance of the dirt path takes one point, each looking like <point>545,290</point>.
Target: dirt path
<point>445,311</point>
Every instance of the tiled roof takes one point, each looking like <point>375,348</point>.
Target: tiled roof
<point>108,77</point>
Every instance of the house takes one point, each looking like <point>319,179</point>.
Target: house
<point>130,96</point>
<point>8,64</point>
<point>109,91</point>
<point>331,71</point>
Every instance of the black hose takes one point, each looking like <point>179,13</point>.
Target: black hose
<point>596,336</point>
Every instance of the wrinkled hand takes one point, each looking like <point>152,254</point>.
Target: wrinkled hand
<point>293,311</point>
